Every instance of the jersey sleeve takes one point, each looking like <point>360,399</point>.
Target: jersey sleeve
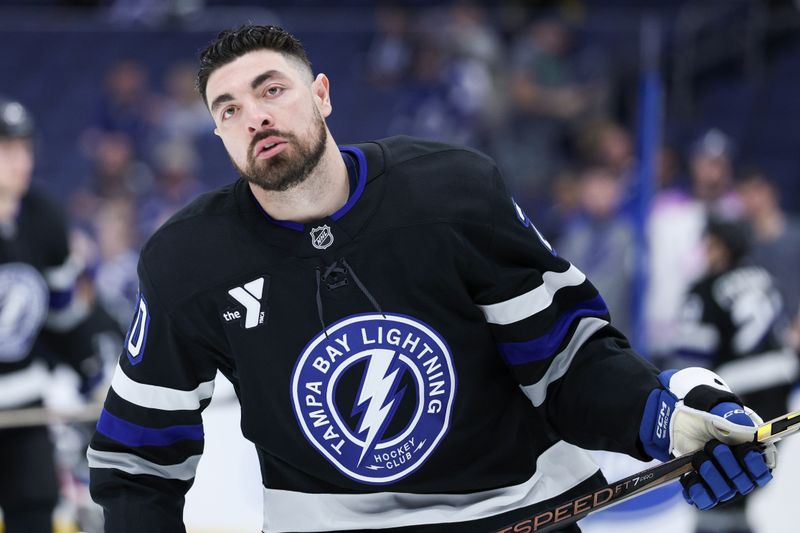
<point>149,437</point>
<point>67,333</point>
<point>553,331</point>
<point>697,340</point>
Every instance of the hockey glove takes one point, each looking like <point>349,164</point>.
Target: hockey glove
<point>696,410</point>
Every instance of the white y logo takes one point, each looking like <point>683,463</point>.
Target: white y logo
<point>250,297</point>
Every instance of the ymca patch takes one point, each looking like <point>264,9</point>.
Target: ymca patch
<point>375,395</point>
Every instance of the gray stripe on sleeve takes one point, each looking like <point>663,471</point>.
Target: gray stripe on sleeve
<point>558,367</point>
<point>132,464</point>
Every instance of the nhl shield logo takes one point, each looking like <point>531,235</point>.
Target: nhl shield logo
<point>321,237</point>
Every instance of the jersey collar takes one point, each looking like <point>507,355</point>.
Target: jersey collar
<point>355,195</point>
<point>346,222</point>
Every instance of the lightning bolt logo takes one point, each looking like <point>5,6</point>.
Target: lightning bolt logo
<point>376,388</point>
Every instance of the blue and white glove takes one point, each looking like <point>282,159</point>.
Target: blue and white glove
<point>696,410</point>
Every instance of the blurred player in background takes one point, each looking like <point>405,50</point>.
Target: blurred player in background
<point>732,323</point>
<point>40,317</point>
<point>409,352</point>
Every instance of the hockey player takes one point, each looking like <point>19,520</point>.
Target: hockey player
<point>730,323</point>
<point>39,317</point>
<point>410,354</point>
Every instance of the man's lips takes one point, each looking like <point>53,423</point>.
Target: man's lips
<point>268,147</point>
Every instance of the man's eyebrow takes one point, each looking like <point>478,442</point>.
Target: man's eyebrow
<point>261,78</point>
<point>219,100</point>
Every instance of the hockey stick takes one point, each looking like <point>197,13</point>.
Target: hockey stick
<point>42,416</point>
<point>637,484</point>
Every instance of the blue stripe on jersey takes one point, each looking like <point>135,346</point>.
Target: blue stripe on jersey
<point>544,347</point>
<point>361,181</point>
<point>132,434</point>
<point>60,299</point>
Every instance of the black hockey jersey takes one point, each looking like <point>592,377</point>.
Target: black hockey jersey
<point>37,310</point>
<point>730,323</point>
<point>421,359</point>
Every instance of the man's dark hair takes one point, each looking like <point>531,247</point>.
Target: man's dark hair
<point>231,44</point>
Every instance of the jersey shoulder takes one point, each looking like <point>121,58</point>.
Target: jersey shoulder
<point>439,180</point>
<point>193,246</point>
<point>43,225</point>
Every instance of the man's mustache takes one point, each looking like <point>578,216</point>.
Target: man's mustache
<point>268,133</point>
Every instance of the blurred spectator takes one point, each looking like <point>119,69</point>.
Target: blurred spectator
<point>563,205</point>
<point>116,174</point>
<point>443,99</point>
<point>470,34</point>
<point>116,283</point>
<point>175,184</point>
<point>711,171</point>
<point>390,52</point>
<point>669,173</point>
<point>675,232</point>
<point>181,113</point>
<point>730,324</point>
<point>553,87</point>
<point>776,244</point>
<point>608,144</point>
<point>476,45</point>
<point>128,104</point>
<point>600,242</point>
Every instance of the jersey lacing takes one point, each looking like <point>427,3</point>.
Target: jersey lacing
<point>335,276</point>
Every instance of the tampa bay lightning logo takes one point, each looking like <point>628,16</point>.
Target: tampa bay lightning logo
<point>374,395</point>
<point>23,309</point>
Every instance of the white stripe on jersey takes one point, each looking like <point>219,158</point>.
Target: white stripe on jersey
<point>558,367</point>
<point>133,464</point>
<point>65,319</point>
<point>157,397</point>
<point>534,301</point>
<point>558,469</point>
<point>23,386</point>
<point>64,276</point>
<point>696,337</point>
<point>760,371</point>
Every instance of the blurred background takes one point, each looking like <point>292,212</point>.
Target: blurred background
<point>621,126</point>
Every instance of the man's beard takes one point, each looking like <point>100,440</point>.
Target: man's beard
<point>285,170</point>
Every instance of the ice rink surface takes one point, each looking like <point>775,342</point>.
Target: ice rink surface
<point>226,496</point>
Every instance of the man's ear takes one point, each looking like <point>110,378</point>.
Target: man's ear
<point>320,88</point>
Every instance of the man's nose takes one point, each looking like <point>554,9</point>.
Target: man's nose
<point>258,120</point>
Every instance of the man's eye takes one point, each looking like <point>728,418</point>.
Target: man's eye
<point>274,91</point>
<point>228,112</point>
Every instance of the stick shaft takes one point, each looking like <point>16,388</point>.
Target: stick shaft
<point>637,484</point>
<point>41,416</point>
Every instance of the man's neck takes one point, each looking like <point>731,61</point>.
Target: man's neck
<point>323,193</point>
